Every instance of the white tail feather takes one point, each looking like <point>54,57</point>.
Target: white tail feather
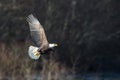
<point>31,51</point>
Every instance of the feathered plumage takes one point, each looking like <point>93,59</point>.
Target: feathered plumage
<point>37,33</point>
<point>38,36</point>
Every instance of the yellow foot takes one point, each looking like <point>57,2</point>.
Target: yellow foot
<point>36,53</point>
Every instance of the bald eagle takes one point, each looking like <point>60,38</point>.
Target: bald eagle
<point>39,38</point>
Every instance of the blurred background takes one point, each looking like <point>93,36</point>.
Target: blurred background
<point>87,32</point>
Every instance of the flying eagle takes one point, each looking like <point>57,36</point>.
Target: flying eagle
<point>39,38</point>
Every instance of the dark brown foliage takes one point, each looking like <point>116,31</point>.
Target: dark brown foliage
<point>87,31</point>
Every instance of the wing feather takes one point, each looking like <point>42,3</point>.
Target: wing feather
<point>37,31</point>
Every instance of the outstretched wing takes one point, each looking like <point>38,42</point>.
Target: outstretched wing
<point>37,31</point>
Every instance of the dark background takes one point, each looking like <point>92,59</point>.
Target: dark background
<point>87,32</point>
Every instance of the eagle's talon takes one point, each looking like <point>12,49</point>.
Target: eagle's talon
<point>36,53</point>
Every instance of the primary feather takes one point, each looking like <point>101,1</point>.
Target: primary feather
<point>37,32</point>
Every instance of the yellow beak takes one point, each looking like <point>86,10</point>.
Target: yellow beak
<point>36,53</point>
<point>55,44</point>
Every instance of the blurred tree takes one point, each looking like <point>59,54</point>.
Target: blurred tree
<point>79,26</point>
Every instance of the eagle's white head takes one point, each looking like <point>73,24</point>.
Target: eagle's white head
<point>51,45</point>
